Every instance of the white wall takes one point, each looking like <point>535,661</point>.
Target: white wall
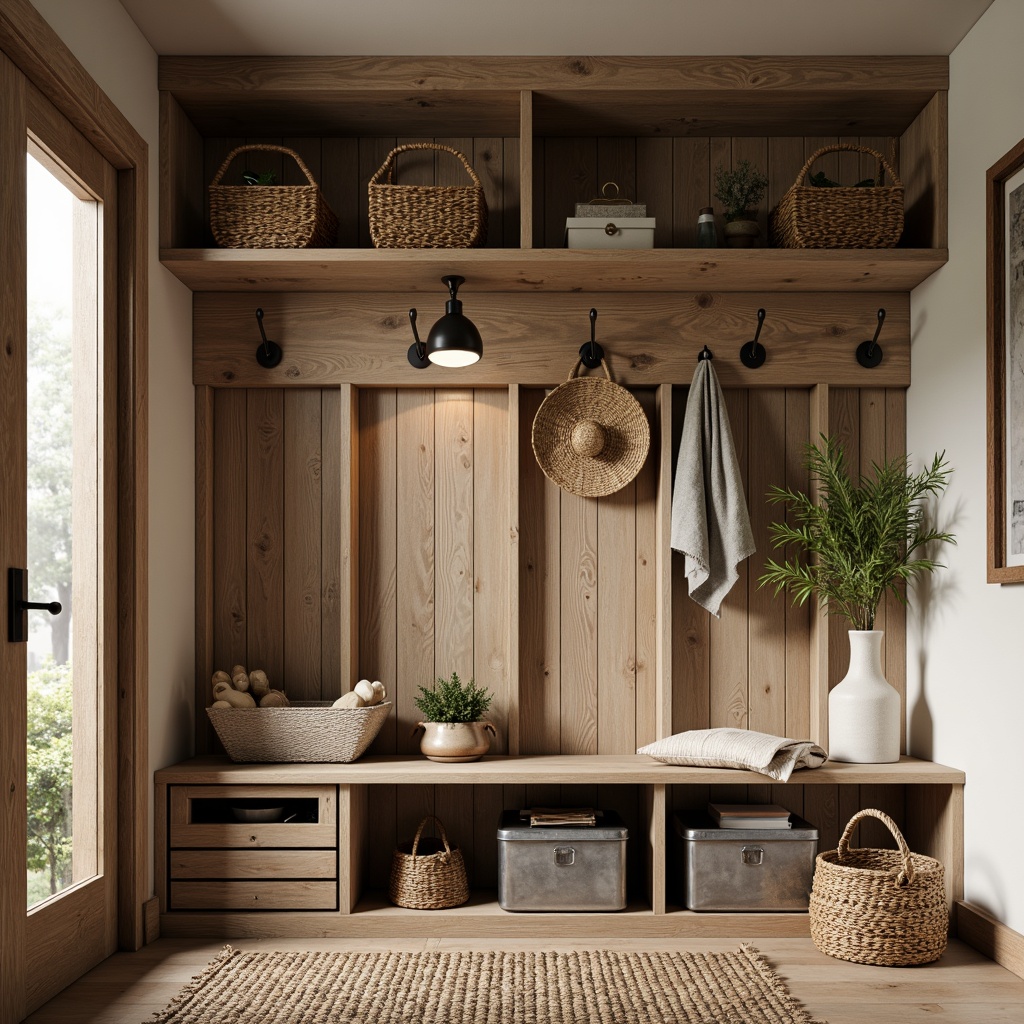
<point>965,698</point>
<point>114,52</point>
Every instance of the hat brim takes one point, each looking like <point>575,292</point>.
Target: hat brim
<point>627,437</point>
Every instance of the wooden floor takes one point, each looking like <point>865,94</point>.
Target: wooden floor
<point>961,988</point>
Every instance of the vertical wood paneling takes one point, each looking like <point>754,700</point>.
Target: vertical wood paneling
<point>616,633</point>
<point>756,151</point>
<point>648,591</point>
<point>539,596</point>
<point>720,156</point>
<point>578,603</point>
<point>342,186</point>
<point>895,664</point>
<point>819,625</point>
<point>332,439</point>
<point>204,566</point>
<point>872,453</point>
<point>692,188</point>
<point>766,613</point>
<point>487,157</point>
<point>303,552</point>
<point>617,162</point>
<point>798,619</point>
<point>523,169</point>
<point>570,177</point>
<point>415,561</point>
<point>513,456</point>
<point>265,533</point>
<point>654,187</point>
<point>662,436</point>
<point>347,441</point>
<point>728,635</point>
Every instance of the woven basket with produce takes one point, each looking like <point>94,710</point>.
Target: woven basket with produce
<point>270,216</point>
<point>821,214</point>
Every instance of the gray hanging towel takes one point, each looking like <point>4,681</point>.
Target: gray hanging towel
<point>710,521</point>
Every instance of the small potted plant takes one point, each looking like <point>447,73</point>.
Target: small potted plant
<point>740,192</point>
<point>454,728</point>
<point>862,539</point>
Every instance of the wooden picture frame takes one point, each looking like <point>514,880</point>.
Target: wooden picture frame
<point>1005,399</point>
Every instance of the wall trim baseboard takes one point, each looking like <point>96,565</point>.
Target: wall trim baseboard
<point>996,940</point>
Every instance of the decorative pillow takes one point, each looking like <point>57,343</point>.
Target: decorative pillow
<point>774,756</point>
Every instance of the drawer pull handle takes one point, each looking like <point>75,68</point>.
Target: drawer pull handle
<point>610,229</point>
<point>752,854</point>
<point>565,856</point>
<point>252,839</point>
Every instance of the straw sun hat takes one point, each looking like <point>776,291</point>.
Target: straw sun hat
<point>590,436</point>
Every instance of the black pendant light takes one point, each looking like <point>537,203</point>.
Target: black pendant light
<point>453,340</point>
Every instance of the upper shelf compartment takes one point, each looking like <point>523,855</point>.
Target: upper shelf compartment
<point>544,133</point>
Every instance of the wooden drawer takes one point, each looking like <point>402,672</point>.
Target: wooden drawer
<point>254,895</point>
<point>258,865</point>
<point>190,827</point>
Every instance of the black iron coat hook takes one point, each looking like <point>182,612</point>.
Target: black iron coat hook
<point>869,353</point>
<point>705,353</point>
<point>269,353</point>
<point>591,354</point>
<point>752,354</point>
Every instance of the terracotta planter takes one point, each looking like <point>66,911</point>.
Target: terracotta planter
<point>741,233</point>
<point>455,741</point>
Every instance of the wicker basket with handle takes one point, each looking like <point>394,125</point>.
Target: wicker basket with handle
<point>882,907</point>
<point>428,874</point>
<point>426,216</point>
<point>847,217</point>
<point>270,216</point>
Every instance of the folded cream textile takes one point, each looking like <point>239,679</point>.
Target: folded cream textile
<point>774,756</point>
<point>710,521</point>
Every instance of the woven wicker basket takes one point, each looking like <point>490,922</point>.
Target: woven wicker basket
<point>270,216</point>
<point>428,874</point>
<point>882,907</point>
<point>426,216</point>
<point>303,732</point>
<point>809,217</point>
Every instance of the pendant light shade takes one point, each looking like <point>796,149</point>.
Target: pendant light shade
<point>453,340</point>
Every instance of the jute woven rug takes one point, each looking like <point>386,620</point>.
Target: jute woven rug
<point>597,987</point>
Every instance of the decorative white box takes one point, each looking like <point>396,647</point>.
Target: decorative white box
<point>620,233</point>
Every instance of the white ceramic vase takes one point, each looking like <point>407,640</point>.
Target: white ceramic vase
<point>864,710</point>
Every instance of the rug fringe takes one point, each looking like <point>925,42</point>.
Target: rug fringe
<point>192,989</point>
<point>757,959</point>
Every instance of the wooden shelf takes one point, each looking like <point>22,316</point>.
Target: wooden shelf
<point>564,769</point>
<point>553,270</point>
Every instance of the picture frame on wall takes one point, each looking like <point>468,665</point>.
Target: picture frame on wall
<point>1005,367</point>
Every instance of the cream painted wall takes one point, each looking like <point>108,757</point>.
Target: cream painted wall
<point>114,52</point>
<point>965,695</point>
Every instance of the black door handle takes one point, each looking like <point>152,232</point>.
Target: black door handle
<point>18,604</point>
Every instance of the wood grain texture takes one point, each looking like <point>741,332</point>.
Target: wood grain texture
<point>349,541</point>
<point>820,418</point>
<point>990,936</point>
<point>205,601</point>
<point>257,865</point>
<point>181,176</point>
<point>925,174</point>
<point>649,712</point>
<point>335,449</point>
<point>245,895</point>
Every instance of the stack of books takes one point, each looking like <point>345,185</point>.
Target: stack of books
<point>560,816</point>
<point>750,815</point>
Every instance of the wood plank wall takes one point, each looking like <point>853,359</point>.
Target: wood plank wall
<point>436,587</point>
<point>673,176</point>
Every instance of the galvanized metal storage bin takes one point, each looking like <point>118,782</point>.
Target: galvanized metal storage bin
<point>745,869</point>
<point>562,868</point>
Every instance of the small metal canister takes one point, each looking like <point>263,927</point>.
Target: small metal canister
<point>562,868</point>
<point>746,869</point>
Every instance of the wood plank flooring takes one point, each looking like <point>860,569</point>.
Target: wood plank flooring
<point>961,988</point>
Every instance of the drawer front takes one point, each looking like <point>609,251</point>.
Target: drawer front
<point>258,865</point>
<point>254,895</point>
<point>254,837</point>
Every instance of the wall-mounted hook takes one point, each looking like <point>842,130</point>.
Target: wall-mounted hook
<point>705,353</point>
<point>269,353</point>
<point>869,353</point>
<point>417,350</point>
<point>591,353</point>
<point>752,354</point>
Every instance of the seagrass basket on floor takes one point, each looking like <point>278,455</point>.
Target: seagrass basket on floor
<point>270,216</point>
<point>426,216</point>
<point>881,907</point>
<point>847,217</point>
<point>428,873</point>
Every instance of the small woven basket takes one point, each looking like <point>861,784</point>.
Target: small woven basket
<point>304,732</point>
<point>426,216</point>
<point>428,874</point>
<point>809,217</point>
<point>270,216</point>
<point>881,907</point>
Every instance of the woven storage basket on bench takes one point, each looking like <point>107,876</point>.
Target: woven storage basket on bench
<point>426,216</point>
<point>812,217</point>
<point>428,874</point>
<point>304,732</point>
<point>270,216</point>
<point>882,907</point>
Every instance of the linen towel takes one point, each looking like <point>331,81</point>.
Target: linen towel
<point>710,521</point>
<point>774,756</point>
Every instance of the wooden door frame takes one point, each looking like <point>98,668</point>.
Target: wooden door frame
<point>36,50</point>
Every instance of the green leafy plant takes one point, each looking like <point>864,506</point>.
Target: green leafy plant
<point>452,700</point>
<point>263,178</point>
<point>739,190</point>
<point>863,538</point>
